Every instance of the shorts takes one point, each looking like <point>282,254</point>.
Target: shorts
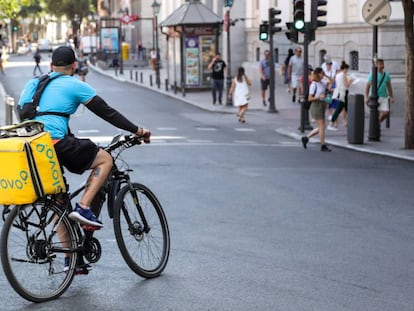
<point>384,104</point>
<point>317,110</point>
<point>264,83</point>
<point>333,104</point>
<point>295,82</point>
<point>75,154</point>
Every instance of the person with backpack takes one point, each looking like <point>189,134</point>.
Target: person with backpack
<point>37,58</point>
<point>384,90</point>
<point>317,94</point>
<point>60,98</point>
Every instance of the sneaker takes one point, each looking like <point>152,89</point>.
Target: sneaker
<point>85,216</point>
<point>331,128</point>
<point>264,103</point>
<point>305,141</point>
<point>325,148</point>
<point>220,103</point>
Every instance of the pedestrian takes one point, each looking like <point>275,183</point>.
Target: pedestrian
<point>286,74</point>
<point>140,50</point>
<point>330,72</point>
<point>153,59</point>
<point>295,72</point>
<point>82,68</point>
<point>342,82</point>
<point>217,66</point>
<point>240,91</point>
<point>37,58</point>
<point>328,60</point>
<point>264,72</point>
<point>384,90</point>
<point>1,53</point>
<point>317,94</point>
<point>63,95</point>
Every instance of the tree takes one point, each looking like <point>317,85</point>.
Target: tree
<point>408,6</point>
<point>74,10</point>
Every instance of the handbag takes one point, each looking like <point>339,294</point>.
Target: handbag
<point>248,96</point>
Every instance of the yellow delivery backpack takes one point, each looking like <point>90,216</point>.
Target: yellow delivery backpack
<point>29,168</point>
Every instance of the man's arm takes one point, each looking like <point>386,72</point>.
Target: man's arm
<point>367,87</point>
<point>390,91</point>
<point>99,107</point>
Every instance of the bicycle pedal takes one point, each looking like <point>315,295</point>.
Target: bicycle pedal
<point>90,228</point>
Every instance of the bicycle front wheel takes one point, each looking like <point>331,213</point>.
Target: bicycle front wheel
<point>35,240</point>
<point>141,230</point>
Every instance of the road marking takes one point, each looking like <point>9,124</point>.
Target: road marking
<point>199,141</point>
<point>240,129</point>
<point>245,142</point>
<point>212,129</point>
<point>87,131</point>
<point>166,128</point>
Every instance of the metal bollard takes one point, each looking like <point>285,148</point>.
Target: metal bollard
<point>116,71</point>
<point>387,120</point>
<point>166,85</point>
<point>141,77</point>
<point>130,74</point>
<point>136,76</point>
<point>9,110</point>
<point>175,87</point>
<point>150,80</point>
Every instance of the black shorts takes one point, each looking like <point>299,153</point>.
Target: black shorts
<point>264,83</point>
<point>76,154</point>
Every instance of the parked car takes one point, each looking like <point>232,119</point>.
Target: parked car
<point>22,47</point>
<point>44,45</point>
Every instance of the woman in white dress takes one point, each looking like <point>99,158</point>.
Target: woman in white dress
<point>240,91</point>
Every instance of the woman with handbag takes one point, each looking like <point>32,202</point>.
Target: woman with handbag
<point>317,95</point>
<point>240,91</point>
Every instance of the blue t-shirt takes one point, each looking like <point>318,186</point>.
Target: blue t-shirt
<point>265,65</point>
<point>382,88</point>
<point>62,94</point>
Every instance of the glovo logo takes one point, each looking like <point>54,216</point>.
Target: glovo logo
<point>54,167</point>
<point>13,184</point>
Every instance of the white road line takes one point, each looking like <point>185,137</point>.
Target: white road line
<point>240,129</point>
<point>245,142</point>
<point>166,128</point>
<point>206,129</point>
<point>88,131</point>
<point>199,141</point>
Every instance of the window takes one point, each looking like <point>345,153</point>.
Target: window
<point>354,60</point>
<point>322,54</point>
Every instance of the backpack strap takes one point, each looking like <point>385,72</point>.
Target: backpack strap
<point>43,82</point>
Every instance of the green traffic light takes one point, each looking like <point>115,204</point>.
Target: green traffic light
<point>263,36</point>
<point>299,24</point>
<point>15,28</point>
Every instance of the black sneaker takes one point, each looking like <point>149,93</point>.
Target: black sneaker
<point>305,141</point>
<point>81,266</point>
<point>220,103</point>
<point>325,148</point>
<point>264,103</point>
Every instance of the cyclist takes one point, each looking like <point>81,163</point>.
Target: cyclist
<point>64,94</point>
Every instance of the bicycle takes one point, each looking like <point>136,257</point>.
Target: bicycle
<point>37,238</point>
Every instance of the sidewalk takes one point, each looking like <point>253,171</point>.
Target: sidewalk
<point>391,143</point>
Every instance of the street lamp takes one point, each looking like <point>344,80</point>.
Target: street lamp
<point>156,9</point>
<point>228,4</point>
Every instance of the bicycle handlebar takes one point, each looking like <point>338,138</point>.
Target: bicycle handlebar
<point>127,141</point>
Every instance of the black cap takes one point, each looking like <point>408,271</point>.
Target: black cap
<point>63,56</point>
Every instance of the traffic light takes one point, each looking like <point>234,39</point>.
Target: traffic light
<point>274,20</point>
<point>316,13</point>
<point>228,3</point>
<point>299,15</point>
<point>15,28</point>
<point>291,34</point>
<point>264,31</point>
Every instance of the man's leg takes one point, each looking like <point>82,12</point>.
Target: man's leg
<point>220,90</point>
<point>214,90</point>
<point>101,167</point>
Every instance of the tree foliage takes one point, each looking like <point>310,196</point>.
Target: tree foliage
<point>408,6</point>
<point>74,10</point>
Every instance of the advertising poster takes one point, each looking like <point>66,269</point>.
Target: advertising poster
<point>110,39</point>
<point>192,61</point>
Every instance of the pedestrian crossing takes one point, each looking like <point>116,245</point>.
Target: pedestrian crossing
<point>158,139</point>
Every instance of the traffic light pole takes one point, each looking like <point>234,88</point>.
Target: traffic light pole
<point>272,104</point>
<point>304,113</point>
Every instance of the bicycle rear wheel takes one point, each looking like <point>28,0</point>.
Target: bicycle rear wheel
<point>35,240</point>
<point>144,248</point>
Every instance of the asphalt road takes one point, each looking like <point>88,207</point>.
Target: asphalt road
<point>256,222</point>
